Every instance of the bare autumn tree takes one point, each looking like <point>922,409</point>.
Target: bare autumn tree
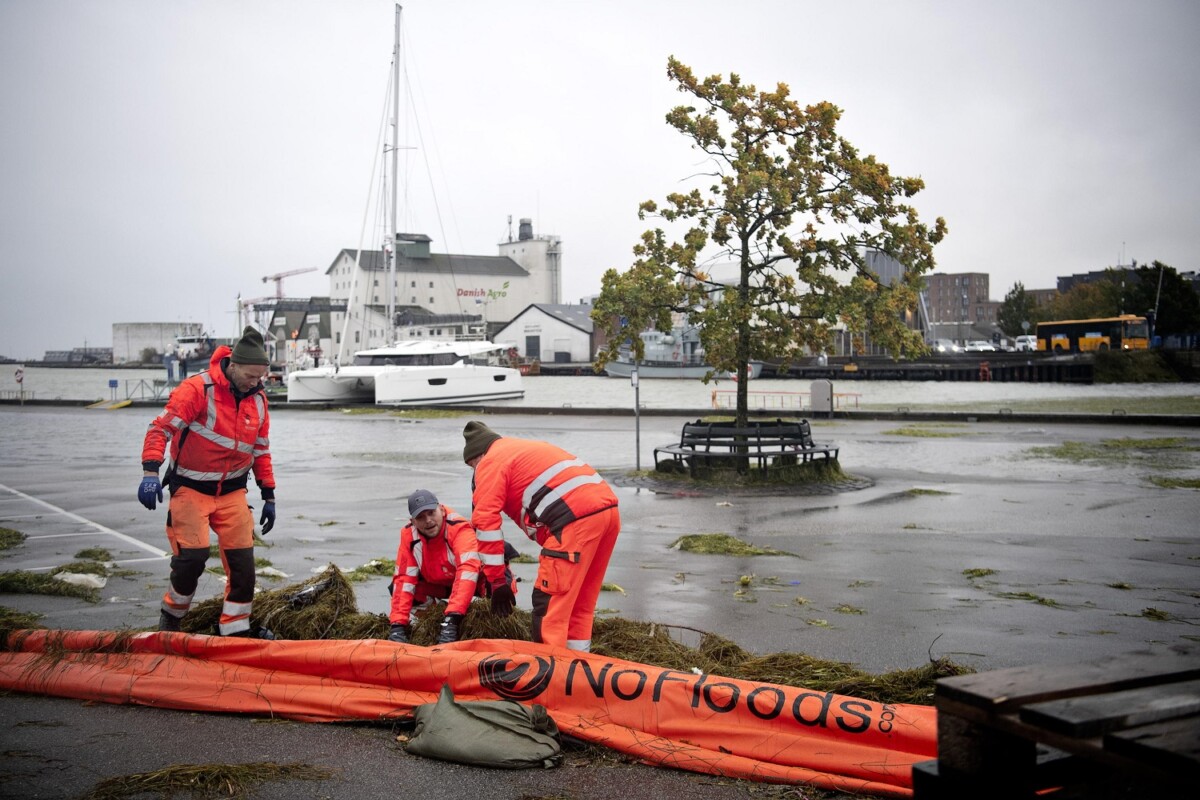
<point>795,207</point>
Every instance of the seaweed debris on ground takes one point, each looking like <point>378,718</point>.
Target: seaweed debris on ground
<point>324,607</point>
<point>205,780</point>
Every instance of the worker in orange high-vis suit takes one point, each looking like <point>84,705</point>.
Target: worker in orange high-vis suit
<point>217,426</point>
<point>438,559</point>
<point>563,505</point>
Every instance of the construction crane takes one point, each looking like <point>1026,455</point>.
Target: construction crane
<point>279,276</point>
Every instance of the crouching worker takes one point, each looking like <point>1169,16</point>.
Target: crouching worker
<point>217,426</point>
<point>564,506</point>
<point>438,559</point>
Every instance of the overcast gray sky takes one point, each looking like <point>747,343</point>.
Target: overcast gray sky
<point>159,157</point>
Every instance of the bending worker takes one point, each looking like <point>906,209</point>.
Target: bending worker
<point>438,558</point>
<point>217,426</point>
<point>563,505</point>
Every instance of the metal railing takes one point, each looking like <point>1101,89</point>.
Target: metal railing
<point>782,401</point>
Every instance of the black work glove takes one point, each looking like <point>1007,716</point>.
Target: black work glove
<point>449,632</point>
<point>267,520</point>
<point>150,491</point>
<point>399,634</point>
<point>502,600</point>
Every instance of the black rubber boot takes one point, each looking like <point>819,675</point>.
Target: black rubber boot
<point>167,622</point>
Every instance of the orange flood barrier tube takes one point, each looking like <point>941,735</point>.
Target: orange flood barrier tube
<point>697,722</point>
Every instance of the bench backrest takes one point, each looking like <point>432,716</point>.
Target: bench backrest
<point>722,434</point>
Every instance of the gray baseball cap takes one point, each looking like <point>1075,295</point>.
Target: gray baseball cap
<point>421,500</point>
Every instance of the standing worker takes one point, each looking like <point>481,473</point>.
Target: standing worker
<point>217,426</point>
<point>562,504</point>
<point>438,558</point>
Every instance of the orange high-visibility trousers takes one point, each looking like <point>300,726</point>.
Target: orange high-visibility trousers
<point>570,575</point>
<point>192,514</point>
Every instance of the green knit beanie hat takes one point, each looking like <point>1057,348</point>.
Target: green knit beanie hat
<point>249,349</point>
<point>479,438</point>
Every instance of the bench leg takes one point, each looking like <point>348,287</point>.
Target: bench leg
<point>982,763</point>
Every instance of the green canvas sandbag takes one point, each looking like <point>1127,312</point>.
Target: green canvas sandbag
<point>485,733</point>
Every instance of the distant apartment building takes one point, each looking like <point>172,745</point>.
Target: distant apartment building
<point>960,298</point>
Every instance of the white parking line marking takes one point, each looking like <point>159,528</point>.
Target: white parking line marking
<point>96,525</point>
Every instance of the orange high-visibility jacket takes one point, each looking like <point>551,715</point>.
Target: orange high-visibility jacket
<point>451,559</point>
<point>540,487</point>
<point>224,438</point>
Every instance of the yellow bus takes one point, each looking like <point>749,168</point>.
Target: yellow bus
<point>1125,332</point>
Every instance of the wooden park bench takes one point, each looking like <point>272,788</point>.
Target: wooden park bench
<point>723,444</point>
<point>1125,726</point>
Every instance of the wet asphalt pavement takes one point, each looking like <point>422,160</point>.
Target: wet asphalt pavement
<point>1086,559</point>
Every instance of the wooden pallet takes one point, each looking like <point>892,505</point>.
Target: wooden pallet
<point>1106,729</point>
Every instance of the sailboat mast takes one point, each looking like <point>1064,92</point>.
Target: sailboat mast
<point>391,293</point>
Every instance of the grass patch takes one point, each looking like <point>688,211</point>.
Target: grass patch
<point>1156,614</point>
<point>523,558</point>
<point>846,609</point>
<point>83,568</point>
<point>1120,585</point>
<point>921,432</point>
<point>22,582</point>
<point>721,544</point>
<point>408,413</point>
<point>611,587</point>
<point>94,554</point>
<point>723,473</point>
<point>372,569</point>
<point>1175,483</point>
<point>1034,598</point>
<point>1122,451</point>
<point>922,492</point>
<point>978,572</point>
<point>10,538</point>
<point>205,780</point>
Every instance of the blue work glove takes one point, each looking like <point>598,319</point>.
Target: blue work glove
<point>150,489</point>
<point>267,520</point>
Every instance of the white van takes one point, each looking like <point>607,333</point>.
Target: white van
<point>1026,343</point>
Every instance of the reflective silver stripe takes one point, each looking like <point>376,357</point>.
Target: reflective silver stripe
<point>232,609</point>
<point>489,536</point>
<point>471,575</point>
<point>540,481</point>
<point>411,588</point>
<point>412,572</point>
<point>560,492</point>
<point>211,413</point>
<point>179,599</point>
<point>258,405</point>
<point>489,560</point>
<point>216,438</point>
<point>584,645</point>
<point>237,626</point>
<point>210,476</point>
<point>469,555</point>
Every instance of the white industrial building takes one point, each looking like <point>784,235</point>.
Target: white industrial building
<point>131,339</point>
<point>553,333</point>
<point>437,294</point>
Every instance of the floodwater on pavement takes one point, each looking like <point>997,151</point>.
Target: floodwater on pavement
<point>596,391</point>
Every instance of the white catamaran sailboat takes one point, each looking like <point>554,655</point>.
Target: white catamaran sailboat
<point>411,372</point>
